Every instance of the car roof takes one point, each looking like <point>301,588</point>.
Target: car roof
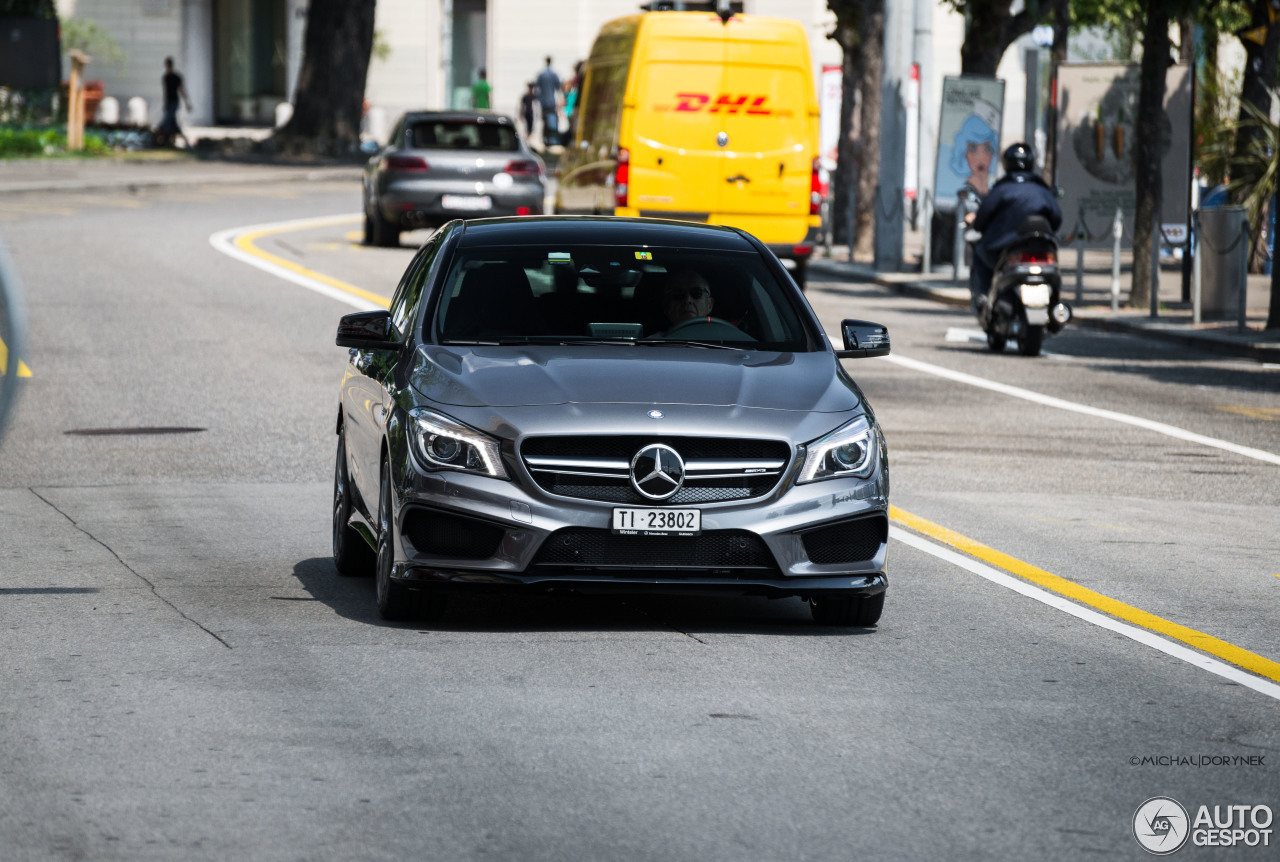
<point>474,116</point>
<point>600,230</point>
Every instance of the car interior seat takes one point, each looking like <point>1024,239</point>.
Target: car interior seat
<point>494,301</point>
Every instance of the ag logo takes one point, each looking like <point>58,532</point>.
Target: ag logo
<point>1160,824</point>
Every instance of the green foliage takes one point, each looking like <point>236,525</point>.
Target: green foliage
<point>1255,172</point>
<point>43,141</point>
<point>88,37</point>
<point>27,9</point>
<point>1217,110</point>
<point>381,47</point>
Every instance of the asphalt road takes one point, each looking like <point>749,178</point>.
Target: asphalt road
<point>186,677</point>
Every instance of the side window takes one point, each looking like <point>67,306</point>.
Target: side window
<point>405,300</point>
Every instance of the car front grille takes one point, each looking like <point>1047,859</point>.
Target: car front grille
<point>599,468</point>
<point>847,541</point>
<point>581,547</point>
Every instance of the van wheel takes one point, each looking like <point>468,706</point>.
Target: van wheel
<point>801,273</point>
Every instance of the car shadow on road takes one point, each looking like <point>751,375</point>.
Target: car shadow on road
<point>507,611</point>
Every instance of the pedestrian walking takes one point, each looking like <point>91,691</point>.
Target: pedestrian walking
<point>480,92</point>
<point>527,102</point>
<point>174,89</point>
<point>548,94</point>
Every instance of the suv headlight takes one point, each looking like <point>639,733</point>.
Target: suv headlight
<point>443,443</point>
<point>850,450</point>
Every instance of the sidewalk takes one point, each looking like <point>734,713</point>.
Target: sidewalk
<point>1092,309</point>
<point>154,168</point>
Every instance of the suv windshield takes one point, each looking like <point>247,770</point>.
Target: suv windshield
<point>460,135</point>
<point>625,294</point>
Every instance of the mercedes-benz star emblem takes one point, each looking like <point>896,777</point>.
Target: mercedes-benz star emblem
<point>656,414</point>
<point>657,471</point>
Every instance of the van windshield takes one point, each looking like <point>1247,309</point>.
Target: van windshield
<point>625,294</point>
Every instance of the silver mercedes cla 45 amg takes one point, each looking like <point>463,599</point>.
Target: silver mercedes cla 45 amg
<point>606,404</point>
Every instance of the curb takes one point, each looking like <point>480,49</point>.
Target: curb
<point>1262,351</point>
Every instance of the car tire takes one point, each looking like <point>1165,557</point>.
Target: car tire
<point>396,602</point>
<point>996,342</point>
<point>801,273</point>
<point>847,610</point>
<point>368,229</point>
<point>1030,342</point>
<point>351,553</point>
<point>382,232</point>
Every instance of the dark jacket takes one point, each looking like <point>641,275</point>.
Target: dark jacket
<point>1011,200</point>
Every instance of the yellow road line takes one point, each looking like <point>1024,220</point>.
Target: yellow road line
<point>245,242</point>
<point>23,370</point>
<point>1230,653</point>
<point>1266,414</point>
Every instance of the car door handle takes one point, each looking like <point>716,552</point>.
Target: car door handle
<point>740,178</point>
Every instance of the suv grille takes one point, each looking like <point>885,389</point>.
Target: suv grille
<point>714,549</point>
<point>846,542</point>
<point>599,468</point>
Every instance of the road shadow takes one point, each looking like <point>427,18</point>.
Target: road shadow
<point>509,611</point>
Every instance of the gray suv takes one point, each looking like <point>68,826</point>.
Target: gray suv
<point>607,404</point>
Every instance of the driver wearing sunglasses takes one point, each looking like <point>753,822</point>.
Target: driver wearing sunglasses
<point>686,296</point>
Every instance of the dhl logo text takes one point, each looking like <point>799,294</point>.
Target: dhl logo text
<point>730,104</point>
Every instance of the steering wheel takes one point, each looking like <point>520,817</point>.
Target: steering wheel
<point>711,328</point>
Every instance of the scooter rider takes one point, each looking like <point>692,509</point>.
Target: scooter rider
<point>1019,193</point>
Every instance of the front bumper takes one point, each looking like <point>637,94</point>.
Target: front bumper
<point>515,522</point>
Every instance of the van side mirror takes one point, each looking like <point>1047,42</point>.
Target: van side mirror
<point>863,339</point>
<point>367,330</point>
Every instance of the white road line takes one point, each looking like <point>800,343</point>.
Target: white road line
<point>1073,407</point>
<point>224,241</point>
<point>1065,605</point>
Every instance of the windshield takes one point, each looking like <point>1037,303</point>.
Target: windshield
<point>460,135</point>
<point>627,294</point>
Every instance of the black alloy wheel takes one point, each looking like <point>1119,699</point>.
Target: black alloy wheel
<point>383,233</point>
<point>847,610</point>
<point>396,602</point>
<point>351,553</point>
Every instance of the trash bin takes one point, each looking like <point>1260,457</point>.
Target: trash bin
<point>1224,260</point>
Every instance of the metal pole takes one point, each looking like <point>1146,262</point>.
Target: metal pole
<point>1195,269</point>
<point>926,261</point>
<point>1155,262</point>
<point>1242,286</point>
<point>1079,265</point>
<point>958,239</point>
<point>1117,231</point>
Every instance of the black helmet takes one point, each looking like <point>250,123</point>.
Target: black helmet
<point>1019,157</point>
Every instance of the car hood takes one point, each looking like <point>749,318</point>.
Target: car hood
<point>526,376</point>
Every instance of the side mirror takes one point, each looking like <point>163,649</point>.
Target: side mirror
<point>367,330</point>
<point>863,339</point>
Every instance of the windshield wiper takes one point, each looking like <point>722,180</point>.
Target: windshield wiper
<point>710,345</point>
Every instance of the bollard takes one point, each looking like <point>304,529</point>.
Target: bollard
<point>1157,237</point>
<point>109,111</point>
<point>1079,265</point>
<point>1117,231</point>
<point>137,111</point>
<point>958,259</point>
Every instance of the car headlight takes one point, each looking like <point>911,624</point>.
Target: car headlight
<point>850,450</point>
<point>443,443</point>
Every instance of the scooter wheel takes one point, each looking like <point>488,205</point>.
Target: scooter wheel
<point>1031,340</point>
<point>996,342</point>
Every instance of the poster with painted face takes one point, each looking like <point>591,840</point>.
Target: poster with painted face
<point>968,137</point>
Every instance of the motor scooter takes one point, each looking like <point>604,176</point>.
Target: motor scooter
<point>1024,300</point>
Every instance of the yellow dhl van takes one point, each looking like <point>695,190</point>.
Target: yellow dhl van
<point>682,115</point>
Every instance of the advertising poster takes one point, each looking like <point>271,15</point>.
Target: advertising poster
<point>829,123</point>
<point>968,137</point>
<point>1097,145</point>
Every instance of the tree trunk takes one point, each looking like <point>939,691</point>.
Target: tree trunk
<point>1058,56</point>
<point>1155,65</point>
<point>992,29</point>
<point>870,74</point>
<point>330,94</point>
<point>846,177</point>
